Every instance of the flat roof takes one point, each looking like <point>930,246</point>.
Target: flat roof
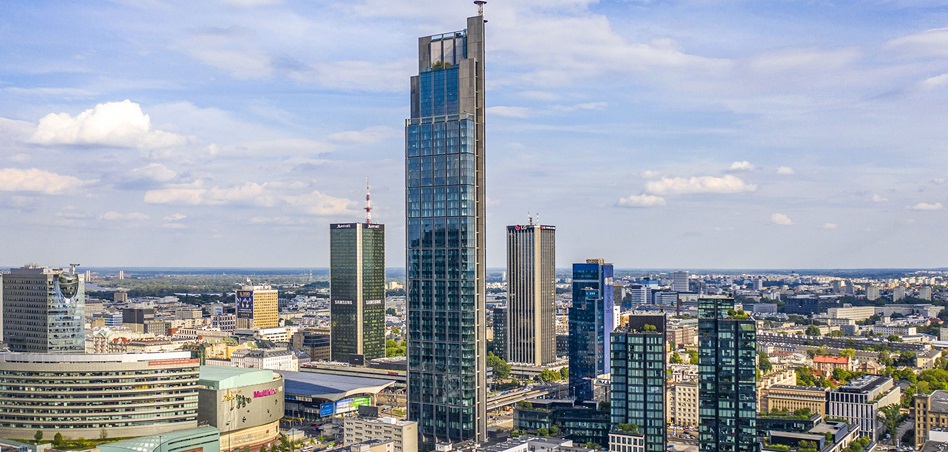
<point>15,357</point>
<point>330,387</point>
<point>152,443</point>
<point>939,401</point>
<point>221,377</point>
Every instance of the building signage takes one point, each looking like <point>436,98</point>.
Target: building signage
<point>342,302</point>
<point>265,392</point>
<point>374,226</point>
<point>373,301</point>
<point>344,406</point>
<point>342,226</point>
<point>173,362</point>
<point>361,401</point>
<point>326,409</point>
<point>245,304</point>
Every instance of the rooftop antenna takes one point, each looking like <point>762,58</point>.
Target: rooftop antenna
<point>529,218</point>
<point>368,202</point>
<point>72,268</point>
<point>480,6</point>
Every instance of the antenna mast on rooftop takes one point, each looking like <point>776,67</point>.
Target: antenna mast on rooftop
<point>480,6</point>
<point>368,202</point>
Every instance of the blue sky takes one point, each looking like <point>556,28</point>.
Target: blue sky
<point>685,134</point>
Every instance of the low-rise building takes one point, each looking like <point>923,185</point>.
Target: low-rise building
<point>793,398</point>
<point>682,403</point>
<point>859,401</point>
<point>265,359</point>
<point>404,434</point>
<point>828,363</point>
<point>622,441</point>
<point>931,411</point>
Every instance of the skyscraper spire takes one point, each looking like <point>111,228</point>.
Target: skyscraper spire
<point>368,202</point>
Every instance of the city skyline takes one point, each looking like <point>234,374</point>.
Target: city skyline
<point>735,136</point>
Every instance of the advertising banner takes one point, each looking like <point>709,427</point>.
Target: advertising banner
<point>326,409</point>
<point>244,304</point>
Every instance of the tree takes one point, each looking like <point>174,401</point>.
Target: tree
<point>812,330</point>
<point>884,358</point>
<point>547,375</point>
<point>676,358</point>
<point>58,440</point>
<point>848,352</point>
<point>906,358</point>
<point>764,362</point>
<point>38,436</point>
<point>836,333</point>
<point>554,430</point>
<point>693,357</point>
<point>649,328</point>
<point>543,432</point>
<point>564,373</point>
<point>891,416</point>
<point>501,368</point>
<point>894,338</point>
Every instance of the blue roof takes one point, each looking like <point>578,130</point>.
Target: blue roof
<point>330,387</point>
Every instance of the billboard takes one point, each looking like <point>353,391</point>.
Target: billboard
<point>344,406</point>
<point>361,401</point>
<point>244,304</point>
<point>326,409</point>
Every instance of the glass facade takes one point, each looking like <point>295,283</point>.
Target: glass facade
<point>531,295</point>
<point>357,291</point>
<point>638,378</point>
<point>43,310</point>
<point>444,146</point>
<point>727,385</point>
<point>591,321</point>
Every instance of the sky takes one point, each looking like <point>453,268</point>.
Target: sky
<point>653,134</point>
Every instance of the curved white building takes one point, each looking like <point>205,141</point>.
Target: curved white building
<point>90,395</point>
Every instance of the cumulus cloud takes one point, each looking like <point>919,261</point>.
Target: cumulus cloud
<point>369,135</point>
<point>785,170</point>
<point>830,226</point>
<point>641,201</point>
<point>175,217</point>
<point>119,124</point>
<point>118,216</point>
<point>320,204</point>
<point>36,181</point>
<point>927,206</point>
<point>703,184</point>
<point>743,165</point>
<point>879,198</point>
<point>781,219</point>
<point>934,82</point>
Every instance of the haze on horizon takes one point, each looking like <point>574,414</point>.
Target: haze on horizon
<point>652,134</point>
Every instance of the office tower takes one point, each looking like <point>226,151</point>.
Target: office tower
<point>638,377</point>
<point>639,294</point>
<point>860,400</point>
<point>727,364</point>
<point>500,331</point>
<point>445,206</point>
<point>136,318</point>
<point>531,294</point>
<point>592,318</point>
<point>257,306</point>
<point>680,281</point>
<point>43,310</point>
<point>357,291</point>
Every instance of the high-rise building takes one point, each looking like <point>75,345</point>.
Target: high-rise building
<point>680,281</point>
<point>43,310</point>
<point>500,322</point>
<point>445,207</point>
<point>860,400</point>
<point>727,364</point>
<point>257,306</point>
<point>357,291</point>
<point>531,294</point>
<point>638,377</point>
<point>592,318</point>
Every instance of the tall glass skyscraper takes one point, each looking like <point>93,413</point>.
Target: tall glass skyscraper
<point>357,291</point>
<point>444,204</point>
<point>592,318</point>
<point>638,377</point>
<point>727,383</point>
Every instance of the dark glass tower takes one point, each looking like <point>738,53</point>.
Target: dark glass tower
<point>531,295</point>
<point>591,321</point>
<point>43,310</point>
<point>357,291</point>
<point>638,378</point>
<point>727,385</point>
<point>444,204</point>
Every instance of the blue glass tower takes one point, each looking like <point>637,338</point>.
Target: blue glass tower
<point>591,321</point>
<point>444,204</point>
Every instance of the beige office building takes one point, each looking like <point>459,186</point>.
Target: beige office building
<point>792,398</point>
<point>403,433</point>
<point>931,411</point>
<point>682,403</point>
<point>257,307</point>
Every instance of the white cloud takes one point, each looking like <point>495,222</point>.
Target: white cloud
<point>509,112</point>
<point>934,82</point>
<point>119,124</point>
<point>118,216</point>
<point>320,204</point>
<point>641,201</point>
<point>701,184</point>
<point>743,165</point>
<point>175,217</point>
<point>781,219</point>
<point>927,206</point>
<point>932,42</point>
<point>153,172</point>
<point>369,135</point>
<point>649,174</point>
<point>582,106</point>
<point>879,198</point>
<point>249,193</point>
<point>36,181</point>
<point>785,170</point>
<point>830,226</point>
